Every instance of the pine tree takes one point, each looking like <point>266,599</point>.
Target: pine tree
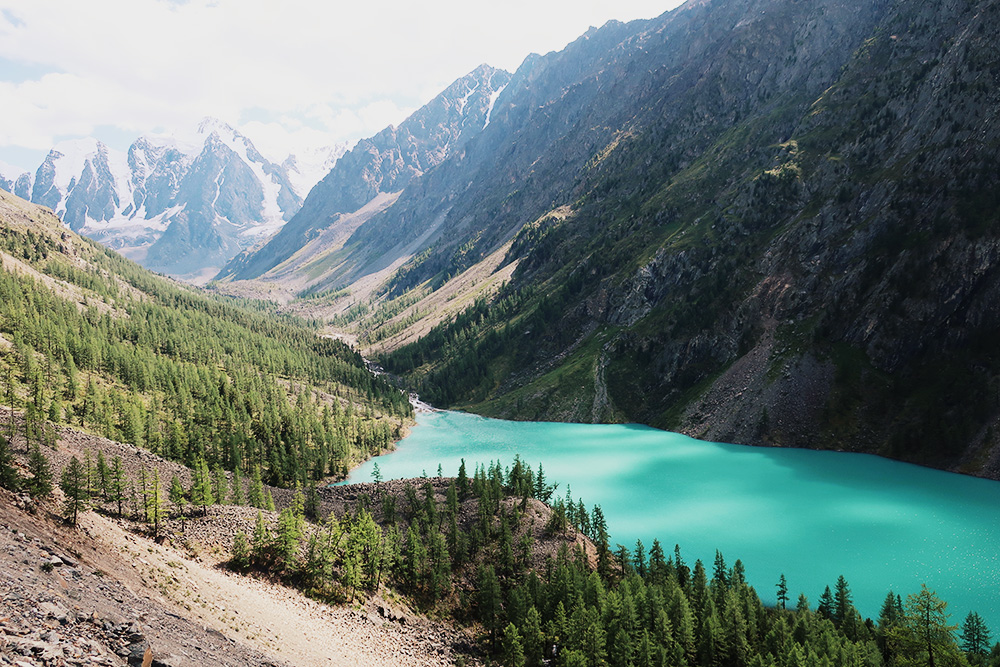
<point>240,559</point>
<point>513,650</point>
<point>176,494</point>
<point>490,600</point>
<point>842,602</point>
<point>117,483</point>
<point>269,502</point>
<point>220,490</point>
<point>10,478</point>
<point>74,487</point>
<point>201,486</point>
<point>825,606</point>
<point>236,496</point>
<point>256,495</point>
<point>975,635</point>
<point>782,591</point>
<point>260,545</point>
<point>463,481</point>
<point>39,485</point>
<point>155,503</point>
<point>532,637</point>
<point>376,474</point>
<point>103,474</point>
<point>89,474</point>
<point>286,544</point>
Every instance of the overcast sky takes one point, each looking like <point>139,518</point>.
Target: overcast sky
<point>292,73</point>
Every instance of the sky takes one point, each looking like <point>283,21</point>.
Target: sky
<point>290,75</point>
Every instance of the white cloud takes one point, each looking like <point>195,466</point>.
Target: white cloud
<point>343,69</point>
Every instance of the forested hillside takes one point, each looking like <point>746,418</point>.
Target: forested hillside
<point>90,339</point>
<point>770,223</point>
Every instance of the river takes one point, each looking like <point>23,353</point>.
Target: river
<point>809,515</point>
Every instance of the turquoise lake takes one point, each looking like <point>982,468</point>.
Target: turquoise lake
<point>809,515</point>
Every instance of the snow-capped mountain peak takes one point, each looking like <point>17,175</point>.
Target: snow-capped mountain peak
<point>181,203</point>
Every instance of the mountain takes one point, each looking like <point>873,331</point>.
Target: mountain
<point>371,175</point>
<point>182,204</point>
<point>15,180</point>
<point>765,222</point>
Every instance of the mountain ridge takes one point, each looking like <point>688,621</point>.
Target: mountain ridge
<point>781,230</point>
<point>153,201</point>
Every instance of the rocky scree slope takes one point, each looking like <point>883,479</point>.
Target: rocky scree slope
<point>106,592</point>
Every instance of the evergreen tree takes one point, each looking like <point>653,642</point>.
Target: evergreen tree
<point>286,544</point>
<point>240,558</point>
<point>269,501</point>
<point>490,602</point>
<point>39,485</point>
<point>513,650</point>
<point>533,638</point>
<point>236,496</point>
<point>975,635</point>
<point>74,487</point>
<point>103,475</point>
<point>260,545</point>
<point>825,606</point>
<point>889,618</point>
<point>376,474</point>
<point>782,591</point>
<point>220,490</point>
<point>924,636</point>
<point>155,503</point>
<point>201,486</point>
<point>255,498</point>
<point>176,494</point>
<point>843,608</point>
<point>117,483</point>
<point>10,478</point>
<point>463,481</point>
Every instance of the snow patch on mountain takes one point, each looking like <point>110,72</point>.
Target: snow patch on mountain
<point>307,168</point>
<point>493,101</point>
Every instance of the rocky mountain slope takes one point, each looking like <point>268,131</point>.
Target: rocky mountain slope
<point>308,251</point>
<point>105,592</point>
<point>770,222</point>
<point>179,204</point>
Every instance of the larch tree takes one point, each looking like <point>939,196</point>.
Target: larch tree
<point>156,503</point>
<point>74,488</point>
<point>39,484</point>
<point>10,478</point>
<point>117,483</point>
<point>924,636</point>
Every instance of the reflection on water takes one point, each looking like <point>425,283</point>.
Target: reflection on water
<point>811,516</point>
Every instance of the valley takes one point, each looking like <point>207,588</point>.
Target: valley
<point>771,223</point>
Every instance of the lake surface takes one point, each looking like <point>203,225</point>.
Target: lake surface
<point>809,515</point>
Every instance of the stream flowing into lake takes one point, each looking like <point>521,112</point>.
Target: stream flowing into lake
<point>809,515</point>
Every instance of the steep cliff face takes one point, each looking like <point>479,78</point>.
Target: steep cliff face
<point>783,231</point>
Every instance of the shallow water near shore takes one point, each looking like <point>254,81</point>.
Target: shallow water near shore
<point>809,515</point>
